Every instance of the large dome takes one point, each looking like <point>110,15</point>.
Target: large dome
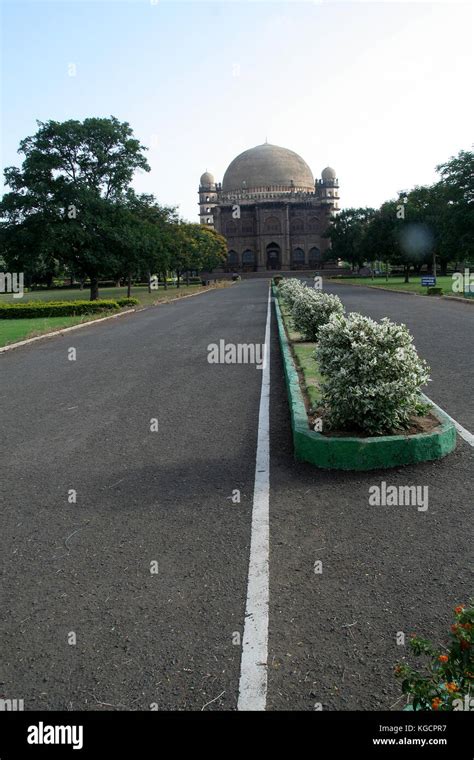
<point>267,165</point>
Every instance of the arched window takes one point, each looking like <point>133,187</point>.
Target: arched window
<point>313,224</point>
<point>248,227</point>
<point>231,228</point>
<point>272,225</point>
<point>233,258</point>
<point>297,225</point>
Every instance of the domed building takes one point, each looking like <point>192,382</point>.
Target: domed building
<point>271,210</point>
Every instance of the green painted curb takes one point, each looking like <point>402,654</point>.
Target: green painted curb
<point>352,453</point>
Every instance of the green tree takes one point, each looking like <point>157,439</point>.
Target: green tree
<point>179,247</point>
<point>456,186</point>
<point>146,240</point>
<point>208,247</point>
<point>346,233</point>
<point>71,174</point>
<point>26,243</point>
<point>379,240</point>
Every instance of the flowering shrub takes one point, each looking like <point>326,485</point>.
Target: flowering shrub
<point>313,309</point>
<point>450,672</point>
<point>372,374</point>
<point>290,289</point>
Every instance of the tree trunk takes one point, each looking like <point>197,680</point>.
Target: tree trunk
<point>129,285</point>
<point>407,272</point>
<point>165,280</point>
<point>178,277</point>
<point>94,288</point>
<point>149,281</point>
<point>117,283</point>
<point>187,279</point>
<point>386,271</point>
<point>444,268</point>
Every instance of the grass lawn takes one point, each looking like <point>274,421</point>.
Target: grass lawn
<point>12,330</point>
<point>140,292</point>
<point>304,354</point>
<point>293,335</point>
<point>398,283</point>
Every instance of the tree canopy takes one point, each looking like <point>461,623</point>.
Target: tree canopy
<point>71,209</point>
<point>422,223</point>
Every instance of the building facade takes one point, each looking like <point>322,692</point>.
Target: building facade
<point>271,211</point>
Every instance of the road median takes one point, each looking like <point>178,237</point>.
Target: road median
<point>350,452</point>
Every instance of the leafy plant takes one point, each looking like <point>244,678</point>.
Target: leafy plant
<point>447,682</point>
<point>290,289</point>
<point>313,309</point>
<point>372,374</point>
<point>127,301</point>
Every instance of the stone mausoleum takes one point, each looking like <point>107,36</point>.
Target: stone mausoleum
<point>271,211</point>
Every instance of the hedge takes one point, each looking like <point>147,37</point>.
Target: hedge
<point>125,301</point>
<point>34,309</point>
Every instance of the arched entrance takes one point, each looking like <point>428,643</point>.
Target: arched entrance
<point>273,256</point>
<point>315,259</point>
<point>297,259</point>
<point>248,261</point>
<point>232,261</point>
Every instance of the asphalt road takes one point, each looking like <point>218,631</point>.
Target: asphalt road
<point>385,569</point>
<point>169,637</point>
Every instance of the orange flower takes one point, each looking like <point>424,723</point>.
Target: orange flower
<point>435,703</point>
<point>454,628</point>
<point>452,686</point>
<point>443,658</point>
<point>459,609</point>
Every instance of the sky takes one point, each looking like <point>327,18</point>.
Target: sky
<point>381,91</point>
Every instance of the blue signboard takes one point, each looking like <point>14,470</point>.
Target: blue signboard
<point>428,281</point>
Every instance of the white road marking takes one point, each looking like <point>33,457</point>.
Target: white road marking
<point>468,437</point>
<point>253,668</point>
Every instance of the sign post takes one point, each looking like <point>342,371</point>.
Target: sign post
<point>428,281</point>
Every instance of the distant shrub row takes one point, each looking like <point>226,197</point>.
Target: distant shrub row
<point>34,309</point>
